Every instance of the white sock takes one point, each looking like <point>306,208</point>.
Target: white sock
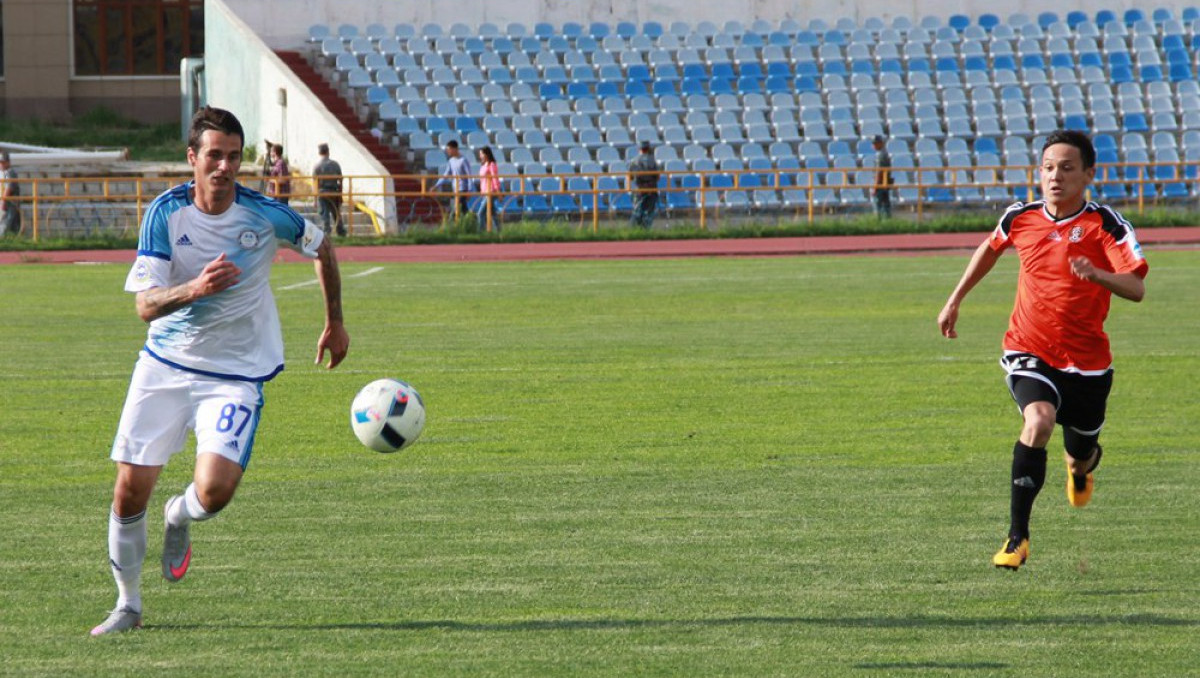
<point>126,552</point>
<point>188,510</point>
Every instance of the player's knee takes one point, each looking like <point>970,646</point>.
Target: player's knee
<point>129,500</point>
<point>216,493</point>
<point>131,492</point>
<point>214,499</point>
<point>1039,424</point>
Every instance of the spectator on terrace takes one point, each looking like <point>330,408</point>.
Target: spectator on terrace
<point>328,175</point>
<point>456,173</point>
<point>279,185</point>
<point>883,179</point>
<point>489,186</point>
<point>643,177</point>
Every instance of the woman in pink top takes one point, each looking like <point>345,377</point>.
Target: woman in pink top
<point>489,186</point>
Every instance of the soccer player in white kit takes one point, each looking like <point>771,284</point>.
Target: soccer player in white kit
<point>202,282</point>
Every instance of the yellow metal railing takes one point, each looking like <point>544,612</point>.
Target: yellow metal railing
<point>73,206</point>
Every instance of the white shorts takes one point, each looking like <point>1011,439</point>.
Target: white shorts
<point>164,402</point>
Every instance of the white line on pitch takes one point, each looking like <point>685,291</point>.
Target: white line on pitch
<point>306,283</point>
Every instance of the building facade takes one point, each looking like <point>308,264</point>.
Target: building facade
<point>63,58</point>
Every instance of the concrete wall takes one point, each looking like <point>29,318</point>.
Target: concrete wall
<point>37,59</point>
<point>245,77</point>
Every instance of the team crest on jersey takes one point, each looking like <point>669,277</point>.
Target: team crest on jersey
<point>1076,234</point>
<point>248,240</point>
<point>141,272</point>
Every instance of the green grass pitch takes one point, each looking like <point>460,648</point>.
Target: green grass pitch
<point>755,467</point>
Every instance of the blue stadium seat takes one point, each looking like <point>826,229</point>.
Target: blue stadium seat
<point>318,33</point>
<point>1076,122</point>
<point>1135,122</point>
<point>959,22</point>
<point>1151,73</point>
<point>1134,15</point>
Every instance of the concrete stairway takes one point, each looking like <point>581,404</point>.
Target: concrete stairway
<point>408,209</point>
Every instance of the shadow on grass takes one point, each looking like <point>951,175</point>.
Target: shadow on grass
<point>1090,621</point>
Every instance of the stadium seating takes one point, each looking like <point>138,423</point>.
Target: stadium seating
<point>950,93</point>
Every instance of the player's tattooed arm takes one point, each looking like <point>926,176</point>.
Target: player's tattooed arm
<point>218,275</point>
<point>330,277</point>
<point>333,337</point>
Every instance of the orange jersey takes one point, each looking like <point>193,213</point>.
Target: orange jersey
<point>1058,316</point>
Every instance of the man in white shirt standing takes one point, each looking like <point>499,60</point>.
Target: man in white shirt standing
<point>202,282</point>
<point>458,173</point>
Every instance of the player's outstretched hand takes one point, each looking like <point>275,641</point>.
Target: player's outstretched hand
<point>218,275</point>
<point>947,319</point>
<point>334,338</point>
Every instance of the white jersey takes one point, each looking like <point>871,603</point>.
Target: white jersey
<point>234,334</point>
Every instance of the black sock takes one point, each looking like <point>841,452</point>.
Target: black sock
<point>1028,475</point>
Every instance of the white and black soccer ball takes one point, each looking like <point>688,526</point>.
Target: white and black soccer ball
<point>387,415</point>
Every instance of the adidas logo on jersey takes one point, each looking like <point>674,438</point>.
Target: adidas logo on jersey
<point>1053,235</point>
<point>183,241</point>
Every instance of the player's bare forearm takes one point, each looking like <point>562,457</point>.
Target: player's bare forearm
<point>1125,285</point>
<point>330,278</point>
<point>218,275</point>
<point>333,337</point>
<point>980,265</point>
<point>157,302</point>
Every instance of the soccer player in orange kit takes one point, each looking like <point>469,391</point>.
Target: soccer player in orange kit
<point>1075,254</point>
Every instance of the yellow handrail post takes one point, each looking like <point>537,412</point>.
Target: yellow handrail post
<point>595,206</point>
<point>35,211</point>
<point>1141,188</point>
<point>920,199</point>
<point>811,202</point>
<point>138,200</point>
<point>349,205</point>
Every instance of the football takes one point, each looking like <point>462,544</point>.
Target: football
<point>387,415</point>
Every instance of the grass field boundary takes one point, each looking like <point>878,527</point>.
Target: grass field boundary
<point>897,244</point>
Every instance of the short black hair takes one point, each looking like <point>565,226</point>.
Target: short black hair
<point>452,144</point>
<point>1074,138</point>
<point>216,119</point>
<point>322,149</point>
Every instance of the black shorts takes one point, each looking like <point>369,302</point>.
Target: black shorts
<point>1079,400</point>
